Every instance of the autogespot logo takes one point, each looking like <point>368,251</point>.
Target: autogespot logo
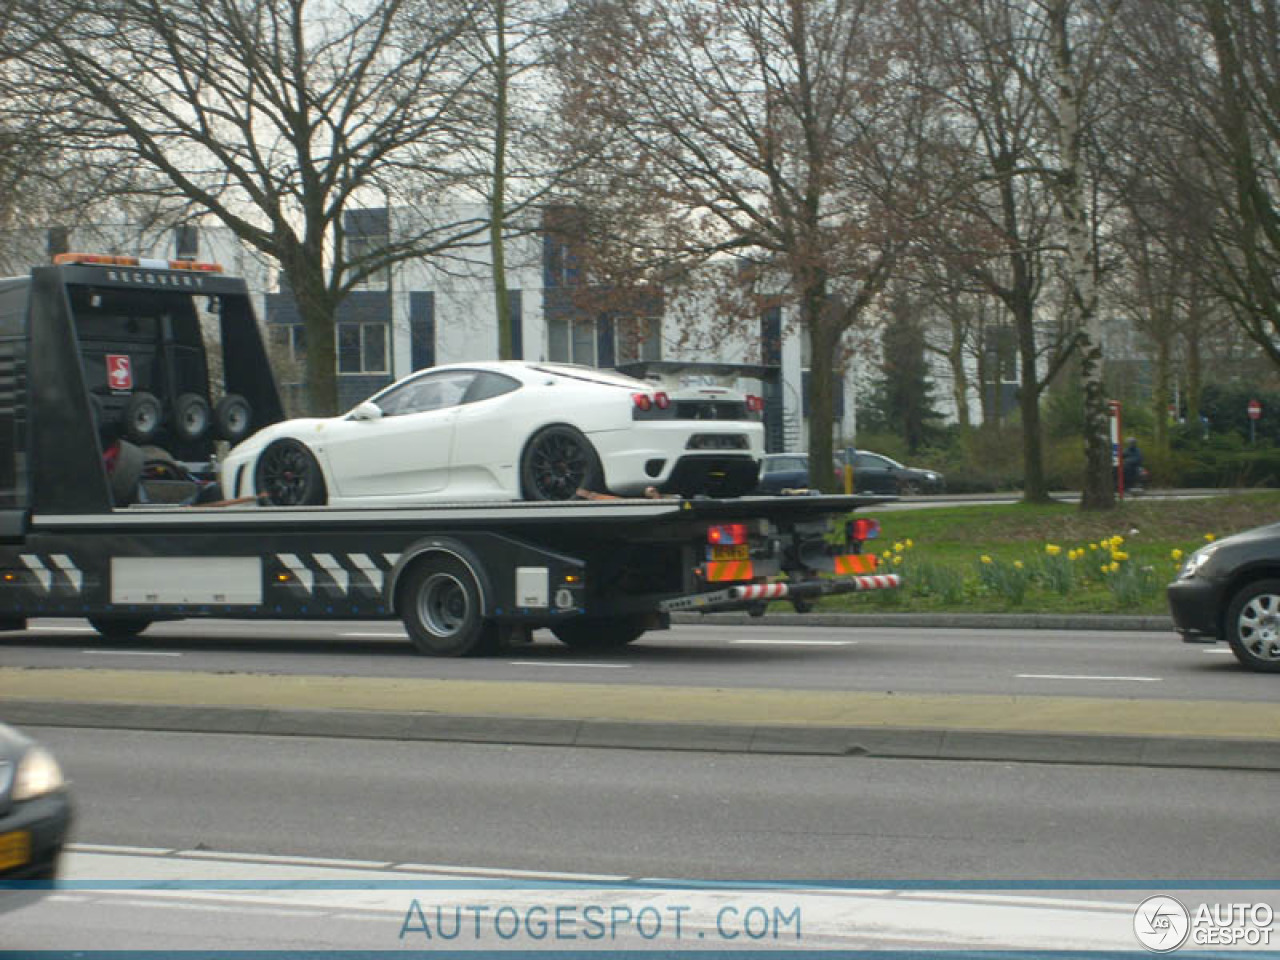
<point>1161,924</point>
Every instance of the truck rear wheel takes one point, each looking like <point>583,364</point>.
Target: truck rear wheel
<point>441,606</point>
<point>120,628</point>
<point>600,634</point>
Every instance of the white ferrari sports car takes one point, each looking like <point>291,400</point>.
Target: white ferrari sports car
<point>503,430</point>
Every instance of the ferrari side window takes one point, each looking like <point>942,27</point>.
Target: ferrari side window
<point>423,394</point>
<point>488,385</point>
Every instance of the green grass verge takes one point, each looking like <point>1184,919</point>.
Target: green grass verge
<point>1046,558</point>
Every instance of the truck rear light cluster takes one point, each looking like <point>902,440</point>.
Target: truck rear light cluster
<point>727,535</point>
<point>755,404</point>
<point>108,260</point>
<point>862,529</point>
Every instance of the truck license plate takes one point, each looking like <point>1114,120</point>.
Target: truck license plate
<point>15,849</point>
<point>740,552</point>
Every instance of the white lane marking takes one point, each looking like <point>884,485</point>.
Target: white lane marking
<point>191,902</point>
<point>558,663</point>
<point>1227,650</point>
<point>133,653</point>
<point>795,643</point>
<point>384,636</point>
<point>287,860</point>
<point>120,849</point>
<point>274,860</point>
<point>1067,676</point>
<point>437,868</point>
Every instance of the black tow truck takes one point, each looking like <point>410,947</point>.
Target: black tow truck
<point>79,539</point>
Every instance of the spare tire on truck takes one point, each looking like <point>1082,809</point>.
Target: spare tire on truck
<point>233,418</point>
<point>143,417</point>
<point>191,416</point>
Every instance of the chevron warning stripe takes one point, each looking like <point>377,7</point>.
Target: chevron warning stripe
<point>855,563</point>
<point>728,570</point>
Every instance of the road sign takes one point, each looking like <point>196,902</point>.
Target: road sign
<point>1255,409</point>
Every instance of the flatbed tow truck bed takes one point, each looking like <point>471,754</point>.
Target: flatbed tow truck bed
<point>465,578</point>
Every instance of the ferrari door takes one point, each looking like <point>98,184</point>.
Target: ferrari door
<point>405,451</point>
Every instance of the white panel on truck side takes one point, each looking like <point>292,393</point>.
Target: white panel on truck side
<point>186,580</point>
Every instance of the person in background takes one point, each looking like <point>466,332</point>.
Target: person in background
<point>1131,463</point>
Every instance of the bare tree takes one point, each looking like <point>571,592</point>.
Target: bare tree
<point>512,150</point>
<point>1077,37</point>
<point>988,64</point>
<point>275,116</point>
<point>1215,69</point>
<point>773,130</point>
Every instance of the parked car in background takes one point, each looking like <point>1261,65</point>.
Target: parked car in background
<point>503,430</point>
<point>876,473</point>
<point>35,815</point>
<point>783,471</point>
<point>1230,590</point>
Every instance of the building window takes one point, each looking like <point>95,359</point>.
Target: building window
<point>368,234</point>
<point>637,338</point>
<point>572,340</point>
<point>515,319</point>
<point>422,329</point>
<point>288,342</point>
<point>186,242</point>
<point>362,348</point>
<point>59,240</point>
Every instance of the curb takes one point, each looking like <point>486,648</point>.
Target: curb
<point>962,621</point>
<point>763,739</point>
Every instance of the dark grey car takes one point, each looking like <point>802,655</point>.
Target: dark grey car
<point>1230,590</point>
<point>783,471</point>
<point>35,816</point>
<point>876,473</point>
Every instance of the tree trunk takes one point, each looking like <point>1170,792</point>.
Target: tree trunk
<point>497,201</point>
<point>1099,487</point>
<point>1034,487</point>
<point>959,376</point>
<point>1195,378</point>
<point>824,336</point>
<point>305,278</point>
<point>1160,392</point>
